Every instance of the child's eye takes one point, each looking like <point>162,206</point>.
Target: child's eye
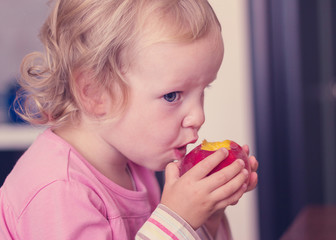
<point>172,97</point>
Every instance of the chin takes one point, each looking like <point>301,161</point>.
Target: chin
<point>151,166</point>
<point>161,167</point>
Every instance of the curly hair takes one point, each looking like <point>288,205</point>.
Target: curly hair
<point>93,36</point>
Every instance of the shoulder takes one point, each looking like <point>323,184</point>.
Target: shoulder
<point>61,209</point>
<point>42,173</point>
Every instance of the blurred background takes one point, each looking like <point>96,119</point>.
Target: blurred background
<point>293,62</point>
<point>275,91</point>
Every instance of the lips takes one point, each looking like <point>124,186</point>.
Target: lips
<point>180,152</point>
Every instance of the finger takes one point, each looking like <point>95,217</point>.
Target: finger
<point>223,176</point>
<point>246,149</point>
<point>233,199</point>
<point>172,172</point>
<point>253,163</point>
<point>204,167</point>
<point>231,186</point>
<point>253,181</point>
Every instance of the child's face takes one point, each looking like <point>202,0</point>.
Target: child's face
<point>165,112</point>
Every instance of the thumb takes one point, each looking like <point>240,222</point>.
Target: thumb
<point>172,172</point>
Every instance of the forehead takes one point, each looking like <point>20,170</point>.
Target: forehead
<point>177,63</point>
<point>152,44</point>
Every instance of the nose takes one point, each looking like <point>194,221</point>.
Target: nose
<point>195,117</point>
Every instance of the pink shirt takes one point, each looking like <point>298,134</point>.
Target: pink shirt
<point>54,193</point>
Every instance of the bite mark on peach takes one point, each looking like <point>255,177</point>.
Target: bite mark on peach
<point>207,148</point>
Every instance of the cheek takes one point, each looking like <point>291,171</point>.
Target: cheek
<point>150,124</point>
<point>164,132</point>
<point>158,136</point>
<point>158,130</point>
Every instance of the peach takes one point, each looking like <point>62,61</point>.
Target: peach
<point>207,148</point>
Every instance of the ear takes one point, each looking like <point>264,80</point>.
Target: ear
<point>93,99</point>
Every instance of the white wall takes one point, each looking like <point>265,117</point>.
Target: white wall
<point>228,105</point>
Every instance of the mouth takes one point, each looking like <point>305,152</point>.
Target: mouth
<point>180,152</point>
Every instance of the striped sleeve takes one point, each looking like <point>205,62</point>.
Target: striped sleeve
<point>223,231</point>
<point>166,224</point>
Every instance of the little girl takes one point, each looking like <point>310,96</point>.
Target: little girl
<point>121,87</point>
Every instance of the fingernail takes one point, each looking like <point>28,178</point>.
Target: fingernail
<point>245,171</point>
<point>224,150</point>
<point>175,161</point>
<point>241,162</point>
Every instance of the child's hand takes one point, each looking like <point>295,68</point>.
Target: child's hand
<point>196,196</point>
<point>254,167</point>
<point>214,220</point>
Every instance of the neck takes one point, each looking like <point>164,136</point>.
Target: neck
<point>102,156</point>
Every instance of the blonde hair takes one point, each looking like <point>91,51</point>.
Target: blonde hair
<point>91,36</point>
